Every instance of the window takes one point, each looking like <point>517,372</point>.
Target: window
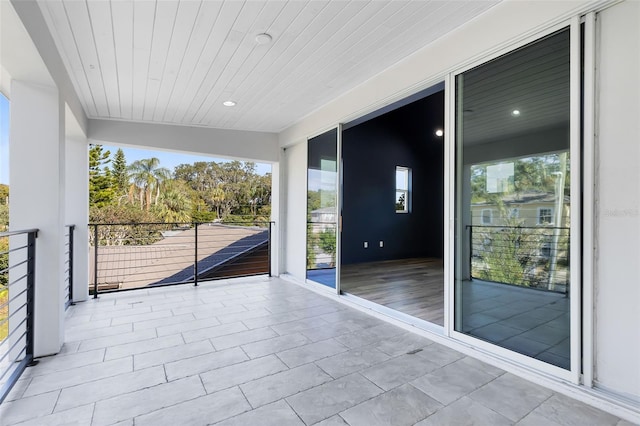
<point>486,216</point>
<point>498,171</point>
<point>403,180</point>
<point>545,215</point>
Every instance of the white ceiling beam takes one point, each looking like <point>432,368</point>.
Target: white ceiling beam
<point>31,16</point>
<point>224,143</point>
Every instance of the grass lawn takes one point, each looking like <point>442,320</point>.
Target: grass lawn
<point>4,328</point>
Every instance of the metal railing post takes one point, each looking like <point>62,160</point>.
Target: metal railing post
<point>471,251</point>
<point>31,294</point>
<point>269,249</point>
<point>96,243</point>
<point>71,229</point>
<point>195,251</point>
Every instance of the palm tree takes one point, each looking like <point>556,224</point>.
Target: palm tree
<point>174,203</point>
<point>148,178</point>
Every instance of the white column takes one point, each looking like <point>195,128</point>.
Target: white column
<point>77,203</point>
<point>276,218</point>
<point>37,199</point>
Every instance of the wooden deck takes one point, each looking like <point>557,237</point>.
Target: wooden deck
<point>411,286</point>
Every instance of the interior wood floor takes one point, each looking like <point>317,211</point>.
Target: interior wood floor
<point>411,286</point>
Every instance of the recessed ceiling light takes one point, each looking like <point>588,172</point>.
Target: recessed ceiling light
<point>439,133</point>
<point>515,112</point>
<point>263,38</point>
<point>229,103</point>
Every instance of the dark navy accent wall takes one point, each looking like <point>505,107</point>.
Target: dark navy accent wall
<point>371,151</point>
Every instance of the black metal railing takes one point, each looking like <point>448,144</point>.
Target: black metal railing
<point>536,257</point>
<point>17,295</point>
<point>68,265</point>
<point>130,256</point>
<point>321,245</point>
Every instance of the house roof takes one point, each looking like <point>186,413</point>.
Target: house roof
<point>525,197</point>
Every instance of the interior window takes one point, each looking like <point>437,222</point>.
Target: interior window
<point>403,177</point>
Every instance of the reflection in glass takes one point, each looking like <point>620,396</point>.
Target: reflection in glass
<point>512,201</point>
<point>322,213</point>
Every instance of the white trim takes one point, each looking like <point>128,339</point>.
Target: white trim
<point>575,150</point>
<point>573,374</point>
<point>338,205</point>
<point>527,362</point>
<point>551,221</point>
<point>449,197</point>
<point>338,129</point>
<point>406,192</point>
<point>588,214</point>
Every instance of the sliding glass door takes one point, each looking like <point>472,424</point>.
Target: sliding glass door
<point>514,201</point>
<point>322,208</point>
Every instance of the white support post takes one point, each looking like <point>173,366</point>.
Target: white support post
<point>37,156</point>
<point>276,219</point>
<point>77,203</point>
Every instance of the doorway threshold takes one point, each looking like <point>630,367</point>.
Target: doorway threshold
<point>392,313</point>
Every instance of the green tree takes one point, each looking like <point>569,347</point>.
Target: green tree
<point>120,173</point>
<point>174,204</point>
<point>4,217</point>
<point>101,191</point>
<point>327,243</point>
<point>4,194</point>
<point>148,177</point>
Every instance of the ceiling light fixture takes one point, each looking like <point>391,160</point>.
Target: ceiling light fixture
<point>515,113</point>
<point>263,38</point>
<point>439,133</point>
<point>229,103</point>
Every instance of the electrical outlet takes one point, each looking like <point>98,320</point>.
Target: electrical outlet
<point>366,244</point>
<point>381,243</point>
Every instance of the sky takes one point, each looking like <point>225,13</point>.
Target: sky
<point>172,159</point>
<point>167,159</point>
<point>4,139</point>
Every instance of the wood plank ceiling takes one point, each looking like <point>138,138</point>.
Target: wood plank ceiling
<point>177,61</point>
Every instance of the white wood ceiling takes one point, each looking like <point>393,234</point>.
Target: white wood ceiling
<point>176,61</point>
<point>533,80</point>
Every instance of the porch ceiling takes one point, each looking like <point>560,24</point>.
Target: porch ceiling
<point>175,61</point>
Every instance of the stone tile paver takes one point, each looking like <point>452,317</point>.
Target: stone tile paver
<point>266,352</point>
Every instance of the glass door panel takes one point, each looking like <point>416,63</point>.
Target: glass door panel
<point>322,211</point>
<point>513,198</point>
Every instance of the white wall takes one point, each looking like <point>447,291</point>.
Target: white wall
<point>77,202</point>
<point>276,218</point>
<point>37,157</point>
<point>617,274</point>
<point>295,161</point>
<point>235,144</point>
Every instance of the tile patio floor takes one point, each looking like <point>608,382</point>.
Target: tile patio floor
<point>264,351</point>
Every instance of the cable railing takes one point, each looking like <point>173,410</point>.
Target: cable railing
<point>536,257</point>
<point>17,294</point>
<point>321,245</point>
<point>126,256</point>
<point>68,265</point>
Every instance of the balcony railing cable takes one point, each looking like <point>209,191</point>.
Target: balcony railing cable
<point>17,298</point>
<point>535,257</point>
<point>127,256</point>
<point>68,266</point>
